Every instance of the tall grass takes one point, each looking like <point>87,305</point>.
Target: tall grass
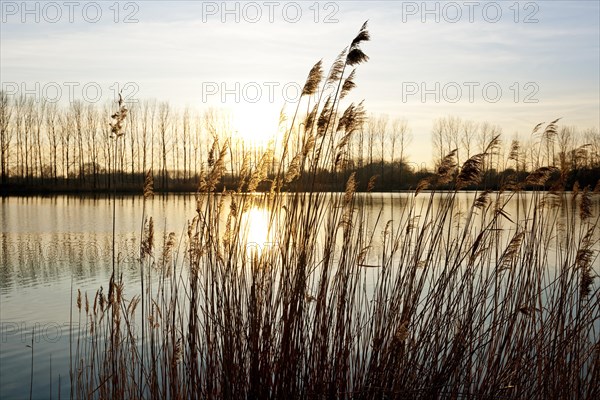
<point>458,302</point>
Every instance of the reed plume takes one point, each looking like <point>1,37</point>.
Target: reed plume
<point>149,185</point>
<point>313,80</point>
<point>355,54</point>
<point>118,118</point>
<point>348,84</point>
<point>540,176</point>
<point>447,168</point>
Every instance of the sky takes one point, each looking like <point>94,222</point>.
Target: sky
<point>510,63</point>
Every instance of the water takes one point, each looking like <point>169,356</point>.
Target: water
<point>53,246</point>
<point>50,248</point>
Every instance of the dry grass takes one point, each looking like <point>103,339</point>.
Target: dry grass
<point>476,305</point>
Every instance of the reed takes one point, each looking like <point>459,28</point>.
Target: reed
<point>460,301</point>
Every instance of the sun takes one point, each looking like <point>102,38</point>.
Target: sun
<point>255,124</point>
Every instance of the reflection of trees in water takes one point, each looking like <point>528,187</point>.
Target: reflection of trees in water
<point>36,258</point>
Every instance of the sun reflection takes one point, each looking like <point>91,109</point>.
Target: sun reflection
<point>255,230</point>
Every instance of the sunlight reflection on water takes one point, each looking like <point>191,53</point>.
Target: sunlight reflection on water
<point>255,232</point>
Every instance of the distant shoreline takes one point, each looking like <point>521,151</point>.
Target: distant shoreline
<point>131,192</point>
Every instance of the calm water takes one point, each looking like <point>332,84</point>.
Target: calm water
<point>51,247</point>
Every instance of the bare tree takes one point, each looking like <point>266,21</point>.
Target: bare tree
<point>382,133</point>
<point>185,139</point>
<point>445,137</point>
<point>107,144</point>
<point>5,135</point>
<point>469,132</point>
<point>452,131</point>
<point>438,141</point>
<point>592,138</point>
<point>132,123</point>
<point>29,122</point>
<point>175,145</point>
<point>402,137</point>
<point>38,152</point>
<point>66,134</point>
<point>92,142</point>
<point>487,132</point>
<point>372,133</point>
<point>164,113</point>
<point>566,143</point>
<point>52,118</point>
<point>197,143</point>
<point>360,148</point>
<point>147,117</point>
<point>77,113</point>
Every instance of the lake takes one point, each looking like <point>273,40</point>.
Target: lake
<point>51,247</point>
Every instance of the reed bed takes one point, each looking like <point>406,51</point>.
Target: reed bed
<point>456,302</point>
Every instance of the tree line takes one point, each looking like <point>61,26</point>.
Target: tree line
<point>46,146</point>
